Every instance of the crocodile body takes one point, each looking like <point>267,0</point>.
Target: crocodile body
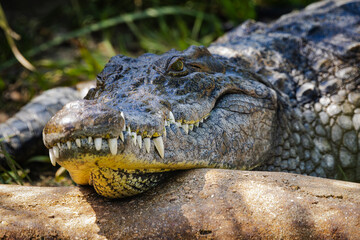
<point>278,97</point>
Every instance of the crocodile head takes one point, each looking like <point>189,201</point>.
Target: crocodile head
<point>159,113</point>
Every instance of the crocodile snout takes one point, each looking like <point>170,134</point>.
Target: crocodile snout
<point>83,118</point>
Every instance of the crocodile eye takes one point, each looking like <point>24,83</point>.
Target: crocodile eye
<point>178,65</point>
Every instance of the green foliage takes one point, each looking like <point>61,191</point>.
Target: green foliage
<point>85,28</point>
<point>14,173</point>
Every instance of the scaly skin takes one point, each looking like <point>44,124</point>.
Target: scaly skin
<point>279,97</point>
<point>241,111</point>
<point>227,112</point>
<point>313,56</point>
<point>21,134</point>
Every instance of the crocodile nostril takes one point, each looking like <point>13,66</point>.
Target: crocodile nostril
<point>83,118</point>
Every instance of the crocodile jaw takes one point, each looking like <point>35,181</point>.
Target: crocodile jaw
<point>242,144</point>
<point>159,106</point>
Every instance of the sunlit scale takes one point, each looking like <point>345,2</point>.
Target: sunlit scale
<point>136,139</point>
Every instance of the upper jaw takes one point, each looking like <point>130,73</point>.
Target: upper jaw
<point>87,127</point>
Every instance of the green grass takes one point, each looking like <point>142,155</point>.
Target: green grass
<point>13,173</point>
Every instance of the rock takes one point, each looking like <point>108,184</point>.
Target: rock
<point>336,133</point>
<point>350,141</point>
<point>322,144</point>
<point>347,159</point>
<point>328,162</point>
<point>225,204</point>
<point>345,122</point>
<point>320,130</point>
<point>354,98</point>
<point>356,121</point>
<point>333,109</point>
<point>324,118</point>
<point>357,110</point>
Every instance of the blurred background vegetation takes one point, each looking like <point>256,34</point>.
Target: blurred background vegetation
<point>67,41</point>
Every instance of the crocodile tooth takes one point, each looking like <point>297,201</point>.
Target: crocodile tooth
<point>197,124</point>
<point>171,117</point>
<point>68,143</point>
<point>90,140</point>
<point>164,132</point>
<point>123,116</point>
<point>202,120</point>
<point>129,130</point>
<point>178,124</point>
<point>147,144</point>
<point>139,141</point>
<point>133,135</point>
<point>98,142</point>
<point>191,127</point>
<point>186,128</point>
<point>56,151</point>
<point>166,123</point>
<point>113,145</point>
<point>78,142</point>
<point>59,145</point>
<point>52,157</point>
<point>121,136</point>
<point>159,145</point>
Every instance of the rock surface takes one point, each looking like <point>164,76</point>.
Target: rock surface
<point>196,204</point>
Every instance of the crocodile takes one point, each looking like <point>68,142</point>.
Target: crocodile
<point>282,96</point>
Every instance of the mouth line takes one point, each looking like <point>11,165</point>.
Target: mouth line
<point>106,146</point>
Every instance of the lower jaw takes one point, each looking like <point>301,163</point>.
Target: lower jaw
<point>119,183</point>
<point>114,176</point>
